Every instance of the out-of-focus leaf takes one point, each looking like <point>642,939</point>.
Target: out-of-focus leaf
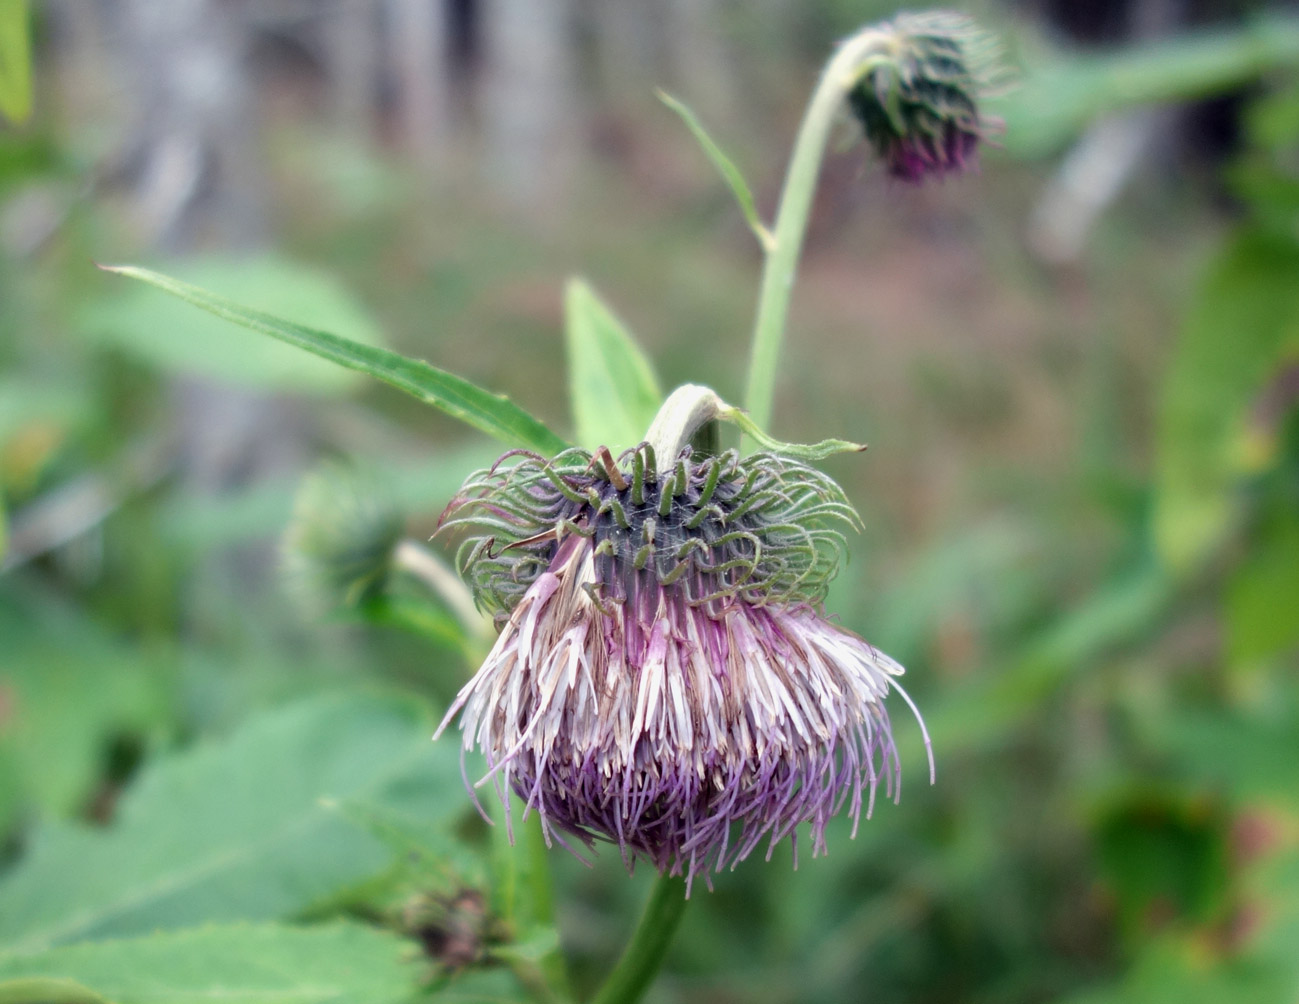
<point>1275,883</point>
<point>251,963</point>
<point>1119,612</point>
<point>28,399</point>
<point>1249,756</point>
<point>1061,94</point>
<point>1165,856</point>
<point>167,334</point>
<point>614,390</point>
<point>205,522</point>
<point>39,990</point>
<point>726,168</point>
<point>15,61</point>
<point>1244,320</point>
<point>492,413</point>
<point>53,732</point>
<point>251,827</point>
<point>483,986</point>
<point>1262,596</point>
<point>1172,972</point>
<point>522,895</point>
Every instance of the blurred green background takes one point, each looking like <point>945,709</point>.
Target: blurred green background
<point>1077,370</point>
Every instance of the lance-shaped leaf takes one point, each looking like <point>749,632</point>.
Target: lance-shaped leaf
<point>249,963</point>
<point>15,61</point>
<point>1242,329</point>
<point>614,390</point>
<point>491,413</point>
<point>726,168</point>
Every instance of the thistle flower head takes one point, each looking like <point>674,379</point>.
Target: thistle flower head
<point>918,97</point>
<point>663,677</point>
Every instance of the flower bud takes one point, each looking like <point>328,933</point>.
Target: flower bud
<point>918,97</point>
<point>338,548</point>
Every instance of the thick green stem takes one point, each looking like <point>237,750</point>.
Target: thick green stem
<point>641,959</point>
<point>843,71</point>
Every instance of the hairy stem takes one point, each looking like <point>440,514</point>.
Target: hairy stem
<point>841,74</point>
<point>643,956</point>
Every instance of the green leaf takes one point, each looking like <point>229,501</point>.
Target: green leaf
<point>614,390</point>
<point>1172,971</point>
<point>491,413</point>
<point>523,896</point>
<point>167,334</point>
<point>204,523</point>
<point>812,451</point>
<point>1059,96</point>
<point>1247,752</point>
<point>47,991</point>
<point>249,963</point>
<point>251,827</point>
<point>53,746</point>
<point>1118,613</point>
<point>726,168</point>
<point>15,61</point>
<point>1240,328</point>
<point>1262,593</point>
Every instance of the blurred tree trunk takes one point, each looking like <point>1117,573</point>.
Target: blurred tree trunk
<point>196,136</point>
<point>354,54</point>
<point>701,69</point>
<point>531,113</point>
<point>418,44</point>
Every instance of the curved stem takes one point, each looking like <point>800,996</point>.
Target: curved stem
<point>641,959</point>
<point>841,74</point>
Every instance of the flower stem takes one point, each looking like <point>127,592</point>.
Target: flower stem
<point>840,75</point>
<point>641,959</point>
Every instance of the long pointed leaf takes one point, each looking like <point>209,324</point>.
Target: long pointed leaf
<point>15,61</point>
<point>491,413</point>
<point>726,168</point>
<point>615,392</point>
<point>248,963</point>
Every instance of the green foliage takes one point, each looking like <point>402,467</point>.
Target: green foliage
<point>52,749</point>
<point>1175,973</point>
<point>1243,324</point>
<point>1060,95</point>
<point>1112,696</point>
<point>254,963</point>
<point>252,827</point>
<point>524,898</point>
<point>731,174</point>
<point>15,61</point>
<point>491,413</point>
<point>166,333</point>
<point>41,990</point>
<point>1262,593</point>
<point>612,384</point>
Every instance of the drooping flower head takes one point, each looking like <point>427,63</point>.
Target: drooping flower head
<point>918,97</point>
<point>664,677</point>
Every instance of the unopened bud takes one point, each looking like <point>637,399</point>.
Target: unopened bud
<point>918,97</point>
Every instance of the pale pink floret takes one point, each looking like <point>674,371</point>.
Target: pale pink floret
<point>686,733</point>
